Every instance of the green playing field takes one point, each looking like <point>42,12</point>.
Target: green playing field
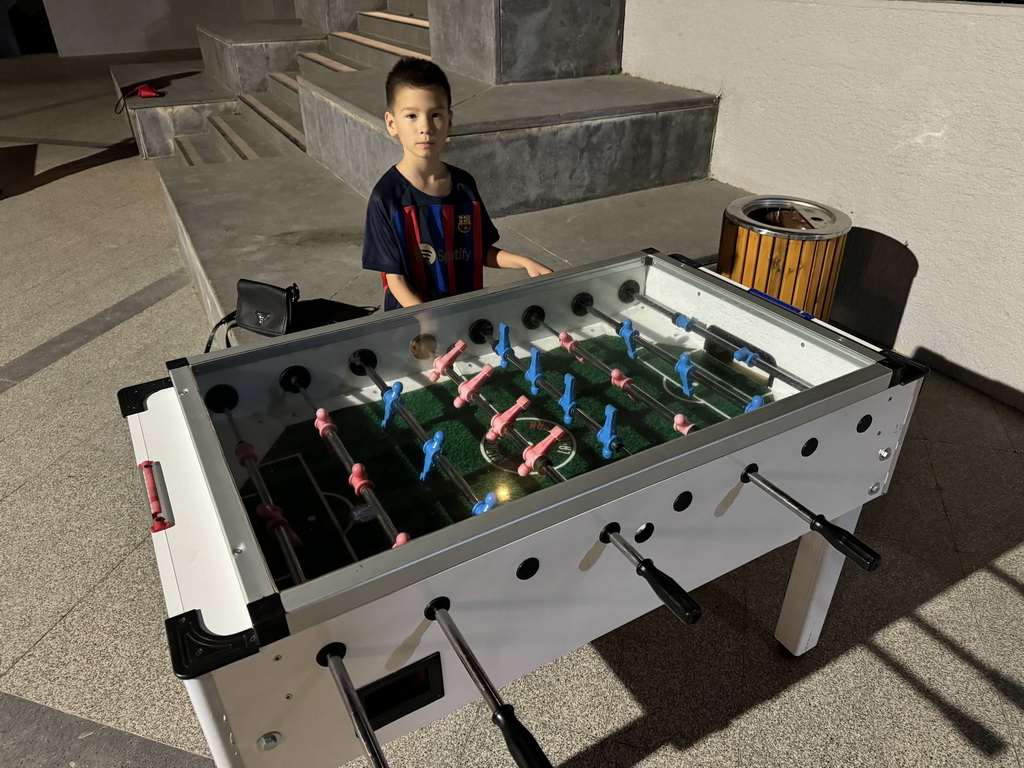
<point>311,486</point>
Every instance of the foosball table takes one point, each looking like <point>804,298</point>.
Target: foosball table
<point>377,522</point>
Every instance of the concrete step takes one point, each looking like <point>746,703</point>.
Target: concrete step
<point>530,145</point>
<point>278,121</point>
<point>203,149</point>
<point>329,62</point>
<point>243,136</point>
<point>407,31</point>
<point>409,7</point>
<point>241,55</point>
<point>311,236</point>
<point>370,51</point>
<point>285,87</point>
<point>190,95</point>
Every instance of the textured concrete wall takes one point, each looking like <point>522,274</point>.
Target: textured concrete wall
<point>903,114</point>
<point>243,67</point>
<point>463,37</point>
<point>334,15</point>
<point>96,27</point>
<point>259,10</point>
<point>514,41</point>
<point>550,39</point>
<point>530,168</point>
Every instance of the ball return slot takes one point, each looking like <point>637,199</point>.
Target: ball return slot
<point>521,744</point>
<point>840,538</point>
<point>742,352</point>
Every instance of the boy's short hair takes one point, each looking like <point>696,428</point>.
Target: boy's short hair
<point>410,72</point>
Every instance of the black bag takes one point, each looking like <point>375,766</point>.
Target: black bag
<point>260,307</point>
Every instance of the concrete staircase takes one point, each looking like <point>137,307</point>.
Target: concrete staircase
<point>283,90</point>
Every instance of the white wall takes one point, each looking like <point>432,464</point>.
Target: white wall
<point>907,115</point>
<point>95,27</point>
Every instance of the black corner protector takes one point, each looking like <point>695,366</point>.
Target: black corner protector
<point>181,362</point>
<point>269,619</point>
<point>650,251</point>
<point>195,650</point>
<point>904,370</point>
<point>133,399</point>
<point>684,260</point>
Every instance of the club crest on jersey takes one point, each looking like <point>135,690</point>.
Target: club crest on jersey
<point>465,222</point>
<point>427,252</point>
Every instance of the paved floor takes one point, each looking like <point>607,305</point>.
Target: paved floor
<point>920,664</point>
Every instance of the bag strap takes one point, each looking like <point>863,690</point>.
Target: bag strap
<point>226,320</point>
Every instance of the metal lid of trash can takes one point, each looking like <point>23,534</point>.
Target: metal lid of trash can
<point>793,217</point>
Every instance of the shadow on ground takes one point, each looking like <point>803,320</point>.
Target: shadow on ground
<point>17,166</point>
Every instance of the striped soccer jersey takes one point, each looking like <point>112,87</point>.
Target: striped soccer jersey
<point>437,243</point>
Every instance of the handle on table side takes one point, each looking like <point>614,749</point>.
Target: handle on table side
<point>847,543</point>
<point>521,745</point>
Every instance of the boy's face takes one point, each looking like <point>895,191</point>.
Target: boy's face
<point>421,120</point>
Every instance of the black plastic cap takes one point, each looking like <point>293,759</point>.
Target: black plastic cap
<point>609,529</point>
<point>440,603</point>
<point>360,358</point>
<point>181,362</point>
<point>582,302</point>
<point>904,370</point>
<point>533,317</point>
<point>481,331</point>
<point>133,399</point>
<point>221,398</point>
<point>295,379</point>
<point>269,619</point>
<point>334,649</point>
<point>195,650</point>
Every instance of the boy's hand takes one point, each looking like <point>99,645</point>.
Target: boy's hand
<point>535,268</point>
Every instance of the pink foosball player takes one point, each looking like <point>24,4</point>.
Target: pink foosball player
<point>539,450</point>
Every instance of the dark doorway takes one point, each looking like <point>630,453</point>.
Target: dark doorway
<point>25,28</point>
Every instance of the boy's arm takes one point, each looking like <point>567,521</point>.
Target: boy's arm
<point>401,290</point>
<point>505,260</point>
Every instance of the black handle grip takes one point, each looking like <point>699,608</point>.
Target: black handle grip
<point>847,543</point>
<point>675,597</point>
<point>521,745</point>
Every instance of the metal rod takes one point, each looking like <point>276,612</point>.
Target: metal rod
<point>442,461</point>
<point>367,493</point>
<point>702,330</point>
<point>469,660</point>
<point>781,496</point>
<point>629,389</point>
<point>699,374</point>
<point>355,709</point>
<point>625,548</point>
<point>291,559</point>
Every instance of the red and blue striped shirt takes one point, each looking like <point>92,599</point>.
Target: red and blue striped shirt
<point>437,243</point>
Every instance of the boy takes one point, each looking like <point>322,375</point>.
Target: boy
<point>427,231</point>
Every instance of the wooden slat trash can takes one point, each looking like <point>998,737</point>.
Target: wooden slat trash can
<point>786,247</point>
